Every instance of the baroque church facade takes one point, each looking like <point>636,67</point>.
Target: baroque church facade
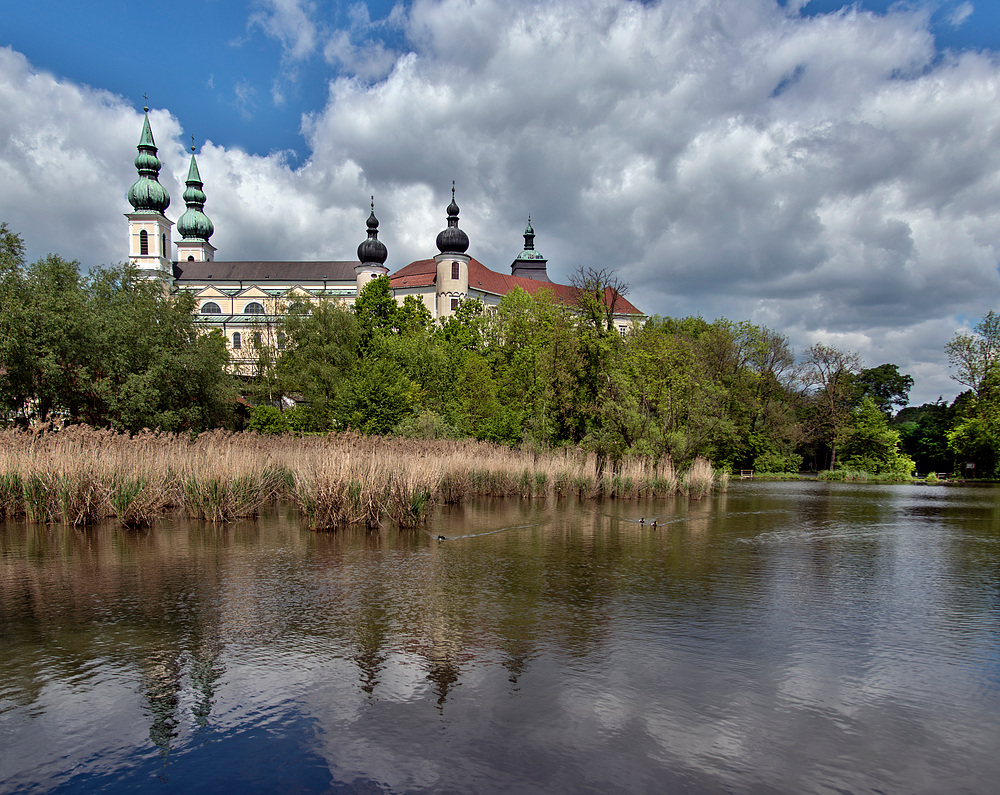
<point>244,300</point>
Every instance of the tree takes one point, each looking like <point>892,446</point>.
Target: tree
<point>870,445</point>
<point>972,355</point>
<point>828,374</point>
<point>886,386</point>
<point>320,353</point>
<point>375,310</point>
<point>600,295</point>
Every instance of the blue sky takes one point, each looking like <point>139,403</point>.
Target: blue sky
<point>829,171</point>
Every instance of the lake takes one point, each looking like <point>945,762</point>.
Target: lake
<point>778,637</point>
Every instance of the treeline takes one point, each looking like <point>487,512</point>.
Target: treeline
<point>111,350</point>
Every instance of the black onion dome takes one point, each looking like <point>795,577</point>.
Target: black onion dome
<point>452,240</point>
<point>372,249</point>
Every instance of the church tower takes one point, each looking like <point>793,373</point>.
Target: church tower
<point>149,247</point>
<point>194,226</point>
<point>530,264</point>
<point>372,254</point>
<point>452,263</point>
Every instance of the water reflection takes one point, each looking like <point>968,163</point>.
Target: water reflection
<point>781,636</point>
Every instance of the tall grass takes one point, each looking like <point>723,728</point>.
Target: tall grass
<point>80,475</point>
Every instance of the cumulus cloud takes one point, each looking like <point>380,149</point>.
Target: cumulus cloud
<point>291,22</point>
<point>833,176</point>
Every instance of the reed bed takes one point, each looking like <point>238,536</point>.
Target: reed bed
<point>79,476</point>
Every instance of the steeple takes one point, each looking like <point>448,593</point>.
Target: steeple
<point>147,195</point>
<point>530,264</point>
<point>195,227</point>
<point>452,240</point>
<point>451,282</point>
<point>372,251</point>
<point>372,254</point>
<point>149,229</point>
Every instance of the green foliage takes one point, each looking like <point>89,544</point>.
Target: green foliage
<point>375,310</point>
<point>772,462</point>
<point>870,445</point>
<point>975,434</point>
<point>426,424</point>
<point>885,385</point>
<point>267,420</point>
<point>318,361</point>
<point>108,348</point>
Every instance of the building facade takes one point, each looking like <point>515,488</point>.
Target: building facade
<point>245,300</point>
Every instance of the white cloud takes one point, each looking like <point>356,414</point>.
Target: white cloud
<point>833,176</point>
<point>290,22</point>
<point>961,13</point>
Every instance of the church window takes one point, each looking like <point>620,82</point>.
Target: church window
<point>190,258</point>
<point>256,339</point>
<point>144,242</point>
<point>211,308</point>
<point>454,270</point>
<point>253,308</point>
<point>281,341</point>
<point>163,245</point>
<point>237,340</point>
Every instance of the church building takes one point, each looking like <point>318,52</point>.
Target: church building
<point>245,299</point>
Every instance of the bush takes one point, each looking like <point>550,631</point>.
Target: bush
<point>267,420</point>
<point>777,462</point>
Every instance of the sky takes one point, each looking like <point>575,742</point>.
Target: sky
<point>830,171</point>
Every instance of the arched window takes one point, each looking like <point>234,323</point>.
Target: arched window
<point>144,242</point>
<point>237,340</point>
<point>256,339</point>
<point>190,258</point>
<point>253,308</point>
<point>454,270</point>
<point>281,341</point>
<point>211,308</point>
<point>163,245</point>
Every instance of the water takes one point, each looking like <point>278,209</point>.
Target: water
<point>800,637</point>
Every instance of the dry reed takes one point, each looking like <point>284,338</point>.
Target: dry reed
<point>80,475</point>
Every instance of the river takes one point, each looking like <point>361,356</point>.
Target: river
<point>778,637</point>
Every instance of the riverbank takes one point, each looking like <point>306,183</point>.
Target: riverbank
<point>80,476</point>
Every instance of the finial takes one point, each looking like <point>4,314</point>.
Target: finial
<point>145,102</point>
<point>373,204</point>
<point>453,190</point>
<point>192,152</point>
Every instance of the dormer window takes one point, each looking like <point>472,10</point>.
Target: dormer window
<point>253,308</point>
<point>211,308</point>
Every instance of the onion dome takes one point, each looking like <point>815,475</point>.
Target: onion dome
<point>372,251</point>
<point>147,195</point>
<point>529,252</point>
<point>452,240</point>
<point>194,224</point>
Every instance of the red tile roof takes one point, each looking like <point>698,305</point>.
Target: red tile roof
<point>423,273</point>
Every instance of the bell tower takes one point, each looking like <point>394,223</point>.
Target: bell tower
<point>452,283</point>
<point>149,230</point>
<point>194,226</point>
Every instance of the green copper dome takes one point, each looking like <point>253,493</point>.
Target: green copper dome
<point>147,195</point>
<point>529,252</point>
<point>194,224</point>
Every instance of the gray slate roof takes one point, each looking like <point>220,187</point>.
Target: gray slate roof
<point>260,272</point>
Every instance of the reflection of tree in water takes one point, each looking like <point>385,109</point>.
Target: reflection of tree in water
<point>205,673</point>
<point>371,658</point>
<point>443,674</point>
<point>161,685</point>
